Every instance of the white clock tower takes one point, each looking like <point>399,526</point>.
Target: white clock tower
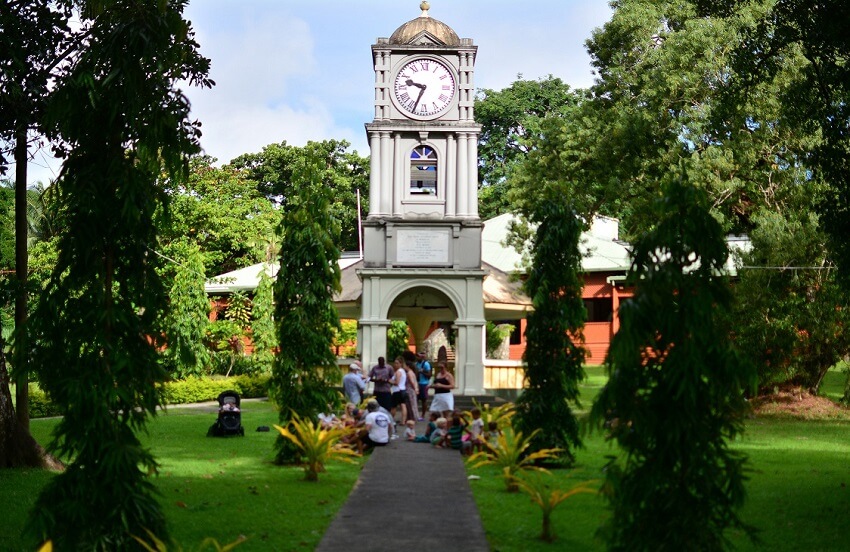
<point>422,236</point>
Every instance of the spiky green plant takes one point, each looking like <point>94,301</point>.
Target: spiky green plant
<point>317,445</point>
<point>511,456</point>
<point>549,498</point>
<point>500,414</point>
<point>157,545</point>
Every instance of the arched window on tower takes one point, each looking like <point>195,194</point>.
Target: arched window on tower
<point>423,171</point>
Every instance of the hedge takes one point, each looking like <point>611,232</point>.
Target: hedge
<point>189,390</point>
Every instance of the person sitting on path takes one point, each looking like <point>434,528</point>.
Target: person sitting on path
<point>353,385</point>
<point>443,401</point>
<point>410,430</point>
<point>429,430</point>
<point>439,437</point>
<point>456,429</point>
<point>398,386</point>
<point>381,374</point>
<point>424,372</point>
<point>376,428</point>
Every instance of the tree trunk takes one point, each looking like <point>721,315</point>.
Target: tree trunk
<point>17,447</point>
<point>21,349</point>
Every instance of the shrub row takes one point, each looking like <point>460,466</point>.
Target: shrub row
<point>189,390</point>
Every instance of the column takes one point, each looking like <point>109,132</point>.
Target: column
<point>472,177</point>
<point>374,174</point>
<point>462,174</point>
<point>398,171</point>
<point>450,170</point>
<point>386,174</point>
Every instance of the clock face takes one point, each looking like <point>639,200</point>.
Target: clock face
<point>424,87</point>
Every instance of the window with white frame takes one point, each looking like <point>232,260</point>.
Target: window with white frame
<point>423,171</point>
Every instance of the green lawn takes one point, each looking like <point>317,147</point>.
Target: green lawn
<point>223,488</point>
<point>798,497</point>
<point>213,487</point>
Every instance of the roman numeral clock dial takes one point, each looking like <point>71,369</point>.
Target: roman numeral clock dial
<point>424,88</point>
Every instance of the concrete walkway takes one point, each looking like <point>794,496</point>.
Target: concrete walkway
<point>410,497</point>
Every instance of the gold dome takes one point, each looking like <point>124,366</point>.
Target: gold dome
<point>412,31</point>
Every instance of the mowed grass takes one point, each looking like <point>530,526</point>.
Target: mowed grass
<point>223,488</point>
<point>212,487</point>
<point>798,493</point>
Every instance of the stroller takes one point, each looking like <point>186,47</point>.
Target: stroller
<point>229,420</point>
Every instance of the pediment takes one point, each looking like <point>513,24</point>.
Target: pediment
<point>424,38</point>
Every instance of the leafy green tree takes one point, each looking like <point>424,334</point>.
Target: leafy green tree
<point>799,337</point>
<point>675,394</point>
<point>398,339</point>
<point>188,318</point>
<point>34,42</point>
<point>123,122</point>
<point>813,97</point>
<point>305,370</point>
<point>346,335</point>
<point>221,211</point>
<point>554,352</point>
<point>510,120</point>
<point>275,171</point>
<point>262,323</point>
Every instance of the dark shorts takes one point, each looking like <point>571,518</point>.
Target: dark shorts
<point>384,398</point>
<point>399,397</point>
<point>367,442</point>
<point>423,392</point>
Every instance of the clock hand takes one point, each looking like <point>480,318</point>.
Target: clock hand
<point>419,97</point>
<point>409,82</point>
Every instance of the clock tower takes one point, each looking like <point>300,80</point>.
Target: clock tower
<point>422,236</point>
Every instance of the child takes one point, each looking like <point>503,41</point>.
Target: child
<point>493,435</point>
<point>432,425</point>
<point>476,430</point>
<point>455,433</point>
<point>440,434</point>
<point>410,431</point>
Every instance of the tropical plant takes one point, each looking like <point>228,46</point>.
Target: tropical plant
<point>512,455</point>
<point>316,444</point>
<point>157,545</point>
<point>496,335</point>
<point>548,498</point>
<point>501,414</point>
<point>398,338</point>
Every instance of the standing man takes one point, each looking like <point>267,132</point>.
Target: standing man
<point>381,374</point>
<point>353,385</point>
<point>423,372</point>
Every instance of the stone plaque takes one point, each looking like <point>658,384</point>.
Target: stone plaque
<point>422,247</point>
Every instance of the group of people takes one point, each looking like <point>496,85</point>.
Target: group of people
<point>400,389</point>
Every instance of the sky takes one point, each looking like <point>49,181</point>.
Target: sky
<point>301,70</point>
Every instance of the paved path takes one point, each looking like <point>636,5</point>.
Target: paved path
<point>410,497</point>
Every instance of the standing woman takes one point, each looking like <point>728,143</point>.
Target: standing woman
<point>412,393</point>
<point>399,388</point>
<point>443,401</point>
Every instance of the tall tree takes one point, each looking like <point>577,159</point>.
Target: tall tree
<point>305,370</point>
<point>675,394</point>
<point>814,97</point>
<point>555,351</point>
<point>221,211</point>
<point>510,120</point>
<point>123,123</point>
<point>33,42</point>
<point>275,170</point>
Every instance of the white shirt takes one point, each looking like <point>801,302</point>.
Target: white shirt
<point>401,383</point>
<point>378,425</point>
